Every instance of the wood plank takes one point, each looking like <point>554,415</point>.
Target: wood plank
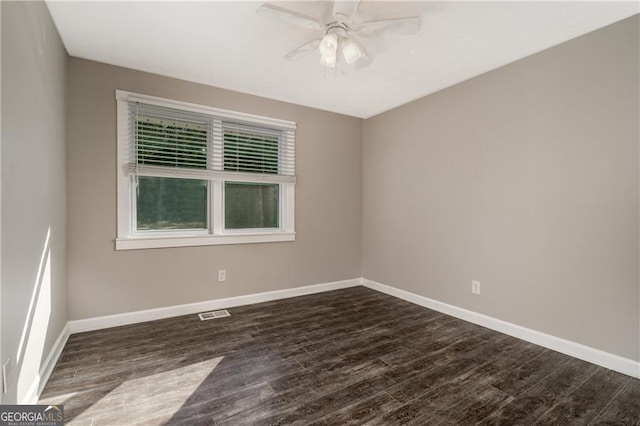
<point>582,405</point>
<point>624,409</point>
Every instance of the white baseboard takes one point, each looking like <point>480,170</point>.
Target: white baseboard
<point>32,395</point>
<point>567,347</point>
<point>96,323</point>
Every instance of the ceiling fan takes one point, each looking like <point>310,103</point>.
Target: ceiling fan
<point>341,30</point>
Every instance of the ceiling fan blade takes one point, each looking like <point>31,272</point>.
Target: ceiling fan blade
<point>289,16</point>
<point>397,26</point>
<point>345,10</point>
<point>303,50</point>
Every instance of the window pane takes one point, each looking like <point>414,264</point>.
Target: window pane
<point>168,203</point>
<point>171,142</point>
<point>251,152</point>
<point>251,205</point>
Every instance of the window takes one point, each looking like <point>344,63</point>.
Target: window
<point>194,175</point>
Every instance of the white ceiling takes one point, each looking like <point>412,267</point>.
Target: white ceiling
<point>226,44</point>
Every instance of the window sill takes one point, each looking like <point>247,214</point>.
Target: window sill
<point>205,240</point>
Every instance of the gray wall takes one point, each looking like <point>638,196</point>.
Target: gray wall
<point>34,286</point>
<point>525,178</point>
<point>103,281</point>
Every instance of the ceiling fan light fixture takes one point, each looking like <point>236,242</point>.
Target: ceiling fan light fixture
<point>328,61</point>
<point>351,51</point>
<point>329,45</point>
<point>328,49</point>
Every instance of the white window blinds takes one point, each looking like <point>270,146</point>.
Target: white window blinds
<point>250,149</point>
<point>169,138</point>
<point>175,143</point>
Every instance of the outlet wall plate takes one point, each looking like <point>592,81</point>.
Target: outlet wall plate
<point>475,287</point>
<point>222,275</point>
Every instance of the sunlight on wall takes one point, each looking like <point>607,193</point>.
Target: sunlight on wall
<point>34,332</point>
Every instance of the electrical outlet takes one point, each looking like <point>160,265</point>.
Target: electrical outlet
<point>475,287</point>
<point>6,375</point>
<point>222,275</point>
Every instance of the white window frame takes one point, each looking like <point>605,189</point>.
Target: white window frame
<point>128,239</point>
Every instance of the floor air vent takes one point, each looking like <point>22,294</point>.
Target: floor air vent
<point>214,314</point>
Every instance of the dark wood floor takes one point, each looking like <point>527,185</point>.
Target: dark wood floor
<point>351,356</point>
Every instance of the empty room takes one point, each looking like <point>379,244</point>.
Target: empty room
<point>318,212</point>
